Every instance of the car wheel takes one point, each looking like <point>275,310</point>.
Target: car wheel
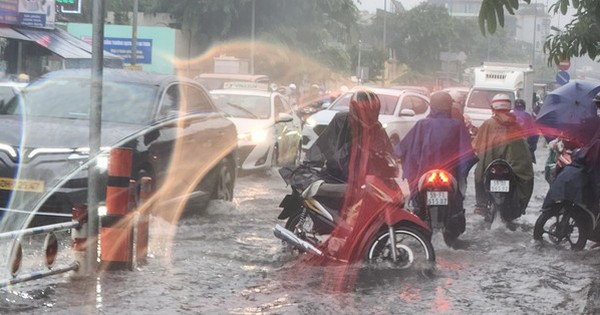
<point>225,181</point>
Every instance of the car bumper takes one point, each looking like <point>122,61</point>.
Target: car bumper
<point>253,157</point>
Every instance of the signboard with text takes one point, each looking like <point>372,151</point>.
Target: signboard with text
<point>34,13</point>
<point>37,13</point>
<point>122,47</point>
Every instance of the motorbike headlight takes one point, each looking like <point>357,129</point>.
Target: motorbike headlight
<point>257,136</point>
<point>311,122</point>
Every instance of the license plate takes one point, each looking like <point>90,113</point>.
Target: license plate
<point>499,185</point>
<point>437,198</point>
<point>31,185</point>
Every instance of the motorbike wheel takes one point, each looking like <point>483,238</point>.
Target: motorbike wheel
<point>413,249</point>
<point>561,227</point>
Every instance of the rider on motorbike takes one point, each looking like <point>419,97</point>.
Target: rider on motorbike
<point>353,146</point>
<point>501,137</point>
<point>527,122</point>
<point>438,141</point>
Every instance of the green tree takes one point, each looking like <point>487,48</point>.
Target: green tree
<point>579,38</point>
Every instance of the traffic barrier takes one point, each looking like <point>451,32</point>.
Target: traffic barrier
<point>79,238</point>
<point>78,227</point>
<point>116,232</point>
<point>143,228</point>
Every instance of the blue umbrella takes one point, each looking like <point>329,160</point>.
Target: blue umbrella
<point>570,109</point>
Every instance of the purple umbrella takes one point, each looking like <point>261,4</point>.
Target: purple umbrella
<point>569,109</point>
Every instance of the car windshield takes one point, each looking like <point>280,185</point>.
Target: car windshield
<point>244,106</point>
<point>388,103</point>
<point>483,98</point>
<point>70,98</point>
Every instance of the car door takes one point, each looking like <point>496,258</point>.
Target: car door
<point>191,137</point>
<point>287,131</point>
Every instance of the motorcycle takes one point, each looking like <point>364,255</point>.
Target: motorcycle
<point>439,203</point>
<point>499,182</point>
<point>312,213</point>
<point>570,213</point>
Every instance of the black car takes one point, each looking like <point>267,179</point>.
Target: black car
<point>170,123</point>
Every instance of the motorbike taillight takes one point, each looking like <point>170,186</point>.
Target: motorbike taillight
<point>438,178</point>
<point>499,170</point>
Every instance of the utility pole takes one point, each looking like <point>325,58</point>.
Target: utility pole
<point>385,53</point>
<point>359,67</point>
<point>94,136</point>
<point>252,37</point>
<point>534,32</point>
<point>134,35</point>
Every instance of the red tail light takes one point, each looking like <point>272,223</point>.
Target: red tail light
<point>438,177</point>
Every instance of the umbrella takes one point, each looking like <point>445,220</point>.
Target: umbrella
<point>569,110</point>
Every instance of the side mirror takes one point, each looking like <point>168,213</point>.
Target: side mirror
<point>325,105</point>
<point>407,112</point>
<point>284,117</point>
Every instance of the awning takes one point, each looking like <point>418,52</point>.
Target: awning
<point>7,32</point>
<point>61,43</point>
<point>54,42</point>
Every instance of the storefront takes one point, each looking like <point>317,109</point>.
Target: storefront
<point>31,43</point>
<point>36,51</point>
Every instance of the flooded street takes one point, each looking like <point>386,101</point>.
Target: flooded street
<point>227,261</point>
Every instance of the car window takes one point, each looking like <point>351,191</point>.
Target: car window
<point>483,98</point>
<point>196,101</point>
<point>279,106</point>
<point>171,101</point>
<point>388,104</point>
<point>407,103</point>
<point>342,103</point>
<point>243,106</point>
<point>419,105</point>
<point>122,102</point>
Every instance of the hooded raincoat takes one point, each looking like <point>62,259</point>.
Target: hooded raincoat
<point>501,137</point>
<point>438,141</point>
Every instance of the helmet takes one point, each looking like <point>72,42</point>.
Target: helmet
<point>519,104</point>
<point>292,86</point>
<point>364,107</point>
<point>501,102</point>
<point>441,100</point>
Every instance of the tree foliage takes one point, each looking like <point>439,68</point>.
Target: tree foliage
<point>580,37</point>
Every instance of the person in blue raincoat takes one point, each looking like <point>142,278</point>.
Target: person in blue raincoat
<point>527,123</point>
<point>437,141</point>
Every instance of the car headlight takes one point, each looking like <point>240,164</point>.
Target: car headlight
<point>384,125</point>
<point>9,150</point>
<point>311,122</point>
<point>257,136</point>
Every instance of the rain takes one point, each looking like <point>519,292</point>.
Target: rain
<point>222,257</point>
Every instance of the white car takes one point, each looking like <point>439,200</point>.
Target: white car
<point>269,131</point>
<point>400,110</point>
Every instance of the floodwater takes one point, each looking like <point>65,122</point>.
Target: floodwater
<point>226,260</point>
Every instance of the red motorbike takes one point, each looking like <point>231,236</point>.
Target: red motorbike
<point>387,232</point>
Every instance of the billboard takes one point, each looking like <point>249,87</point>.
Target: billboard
<point>122,47</point>
<point>34,13</point>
